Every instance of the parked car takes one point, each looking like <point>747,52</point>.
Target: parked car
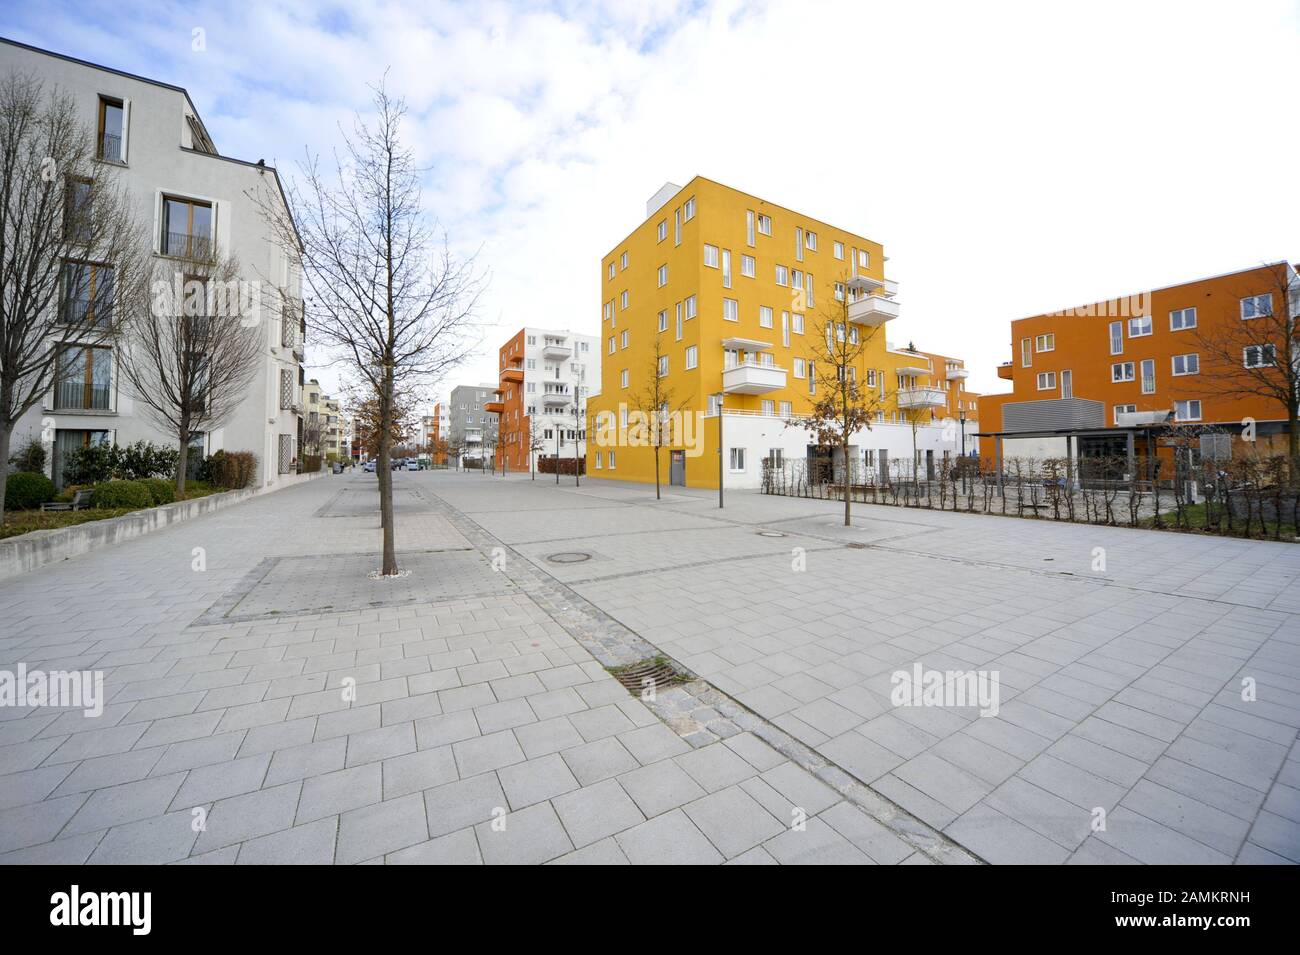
<point>412,464</point>
<point>369,467</point>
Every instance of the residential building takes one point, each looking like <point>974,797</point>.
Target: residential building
<point>546,375</point>
<point>1108,378</point>
<point>471,427</point>
<point>151,137</point>
<point>732,288</point>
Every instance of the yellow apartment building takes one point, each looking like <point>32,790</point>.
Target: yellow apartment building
<point>719,294</point>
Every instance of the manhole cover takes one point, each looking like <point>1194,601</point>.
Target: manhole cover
<point>770,534</point>
<point>569,557</point>
<point>657,672</point>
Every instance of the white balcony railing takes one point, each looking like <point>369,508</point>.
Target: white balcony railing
<point>752,378</point>
<point>553,351</point>
<point>921,398</point>
<point>873,310</point>
<point>956,373</point>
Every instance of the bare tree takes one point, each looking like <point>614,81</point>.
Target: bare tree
<point>189,358</point>
<point>74,257</point>
<point>382,296</point>
<point>657,402</point>
<point>842,405</point>
<point>535,446</point>
<point>1253,353</point>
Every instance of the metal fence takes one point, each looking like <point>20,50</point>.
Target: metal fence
<point>1245,497</point>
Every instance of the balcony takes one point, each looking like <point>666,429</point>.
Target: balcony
<point>556,351</point>
<point>910,398</point>
<point>873,310</point>
<point>514,374</point>
<point>494,407</point>
<point>473,437</point>
<point>1005,371</point>
<point>184,245</point>
<point>751,378</point>
<point>957,373</point>
<point>555,399</point>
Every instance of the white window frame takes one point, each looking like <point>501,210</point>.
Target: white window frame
<point>1127,370</point>
<point>1186,405</point>
<point>735,455</point>
<point>1148,325</point>
<point>1265,348</point>
<point>1251,303</point>
<point>692,356</point>
<point>1195,359</point>
<point>1045,342</point>
<point>1116,330</point>
<point>710,256</point>
<point>1047,381</point>
<point>1183,315</point>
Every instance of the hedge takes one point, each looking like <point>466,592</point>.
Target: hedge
<point>162,492</point>
<point>27,490</point>
<point>133,494</point>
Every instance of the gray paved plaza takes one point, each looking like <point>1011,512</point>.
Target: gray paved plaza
<point>269,702</point>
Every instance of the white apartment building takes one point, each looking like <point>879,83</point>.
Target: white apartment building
<point>546,376</point>
<point>152,137</point>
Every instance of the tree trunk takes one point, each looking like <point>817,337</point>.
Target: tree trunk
<point>182,460</point>
<point>1292,440</point>
<point>386,474</point>
<point>6,435</point>
<point>844,454</point>
<point>657,497</point>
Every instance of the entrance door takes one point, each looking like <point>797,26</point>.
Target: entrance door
<point>677,468</point>
<point>929,465</point>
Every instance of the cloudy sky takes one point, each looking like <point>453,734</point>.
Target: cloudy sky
<point>1013,158</point>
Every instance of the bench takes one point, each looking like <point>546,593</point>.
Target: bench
<point>81,499</point>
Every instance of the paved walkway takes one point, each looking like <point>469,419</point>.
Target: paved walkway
<point>267,701</point>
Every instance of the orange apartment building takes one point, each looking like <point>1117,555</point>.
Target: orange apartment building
<point>545,374</point>
<point>1127,367</point>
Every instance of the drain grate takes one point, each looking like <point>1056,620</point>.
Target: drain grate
<point>569,557</point>
<point>657,672</point>
<point>856,546</point>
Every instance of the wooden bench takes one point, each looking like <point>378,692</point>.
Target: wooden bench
<point>81,499</point>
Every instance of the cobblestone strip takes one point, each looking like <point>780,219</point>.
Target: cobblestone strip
<point>697,711</point>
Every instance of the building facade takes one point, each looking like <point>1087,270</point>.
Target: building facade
<point>151,137</point>
<point>718,293</point>
<point>1170,356</point>
<point>546,376</point>
<point>471,427</point>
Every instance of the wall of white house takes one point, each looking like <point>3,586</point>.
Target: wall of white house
<point>158,160</point>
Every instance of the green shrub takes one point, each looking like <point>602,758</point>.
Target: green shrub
<point>30,458</point>
<point>133,494</point>
<point>97,463</point>
<point>145,460</point>
<point>27,490</point>
<point>162,492</point>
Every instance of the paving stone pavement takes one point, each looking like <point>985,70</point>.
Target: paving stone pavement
<point>1150,681</point>
<point>267,702</point>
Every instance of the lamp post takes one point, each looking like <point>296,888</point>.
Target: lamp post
<point>721,443</point>
<point>557,453</point>
<point>577,418</point>
<point>962,415</point>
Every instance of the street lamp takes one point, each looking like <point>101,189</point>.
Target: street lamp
<point>962,415</point>
<point>577,418</point>
<point>557,451</point>
<point>721,465</point>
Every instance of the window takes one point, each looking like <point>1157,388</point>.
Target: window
<point>187,228</point>
<point>799,371</point>
<point>785,329</point>
<point>731,309</point>
<point>1187,364</point>
<point>749,226</point>
<point>796,323</point>
<point>711,256</point>
<point>679,323</point>
<point>1187,410</point>
<point>839,291</point>
<point>808,288</point>
<point>812,377</point>
<point>1259,356</point>
<point>1124,409</point>
<point>1047,381</point>
<point>609,272</point>
<point>726,268</point>
<point>798,244</point>
<point>737,459</point>
<point>690,308</point>
<point>768,407</point>
<point>622,262</point>
<point>1139,326</point>
<point>1117,338</point>
<point>609,308</point>
<point>1045,342</point>
<point>663,320</point>
<point>663,275</point>
<point>1067,387</point>
<point>83,379</point>
<point>663,365</point>
<point>662,230</point>
<point>612,344</point>
<point>623,300</point>
<point>692,356</point>
<point>1122,371</point>
<point>1256,306</point>
<point>677,226</point>
<point>622,378</point>
<point>810,241</point>
<point>787,409</point>
<point>837,248</point>
<point>747,266</point>
<point>1182,318</point>
<point>765,316</point>
<point>612,464</point>
<point>1026,355</point>
<point>112,130</point>
<point>87,294</point>
<point>688,210</point>
<point>1148,376</point>
<point>864,259</point>
<point>623,337</point>
<point>77,223</point>
<point>598,461</point>
<point>782,275</point>
<point>765,225</point>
